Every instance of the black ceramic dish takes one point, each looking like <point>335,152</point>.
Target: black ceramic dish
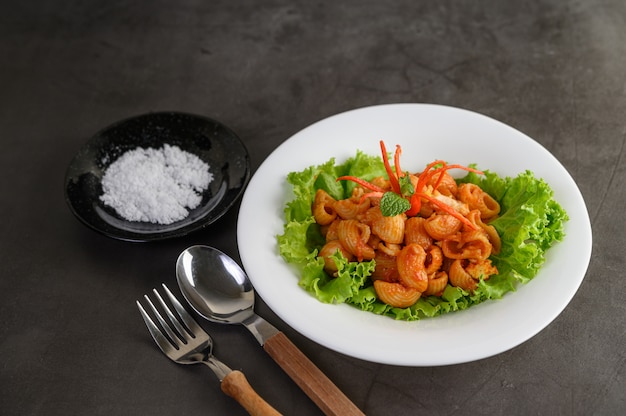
<point>211,141</point>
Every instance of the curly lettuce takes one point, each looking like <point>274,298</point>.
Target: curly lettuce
<point>530,222</point>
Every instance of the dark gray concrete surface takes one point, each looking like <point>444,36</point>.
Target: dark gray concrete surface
<point>71,340</point>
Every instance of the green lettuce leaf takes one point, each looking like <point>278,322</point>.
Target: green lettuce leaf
<point>530,222</point>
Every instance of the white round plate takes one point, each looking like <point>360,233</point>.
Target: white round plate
<point>426,133</point>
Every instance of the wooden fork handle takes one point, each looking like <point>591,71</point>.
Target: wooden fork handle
<point>236,386</point>
<point>311,380</point>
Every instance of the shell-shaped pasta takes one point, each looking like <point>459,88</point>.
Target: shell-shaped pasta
<point>330,231</point>
<point>426,209</point>
<point>468,245</point>
<point>442,226</point>
<point>395,294</point>
<point>414,232</point>
<point>390,229</point>
<point>371,215</point>
<point>374,241</point>
<point>357,194</point>
<point>492,233</point>
<point>353,236</point>
<point>459,206</point>
<point>411,272</point>
<point>350,208</point>
<point>481,270</point>
<point>437,283</point>
<point>476,244</point>
<point>381,182</point>
<point>478,199</point>
<point>386,268</point>
<point>494,238</point>
<point>323,208</point>
<point>389,248</point>
<point>434,260</point>
<point>457,276</point>
<point>447,184</point>
<point>328,250</point>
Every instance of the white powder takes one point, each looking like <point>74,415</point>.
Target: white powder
<point>155,185</point>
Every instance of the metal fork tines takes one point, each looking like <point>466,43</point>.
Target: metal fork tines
<point>182,340</point>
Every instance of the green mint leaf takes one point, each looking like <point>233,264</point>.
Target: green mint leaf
<point>406,187</point>
<point>392,204</point>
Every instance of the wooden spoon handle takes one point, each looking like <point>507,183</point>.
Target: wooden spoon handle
<point>311,380</point>
<point>236,386</point>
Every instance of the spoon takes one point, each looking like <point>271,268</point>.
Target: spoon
<point>219,290</point>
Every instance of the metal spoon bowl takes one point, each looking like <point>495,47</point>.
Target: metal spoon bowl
<point>226,297</point>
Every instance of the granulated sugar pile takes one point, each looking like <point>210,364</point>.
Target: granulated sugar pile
<point>155,185</point>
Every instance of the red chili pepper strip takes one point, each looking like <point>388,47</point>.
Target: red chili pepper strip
<point>448,167</point>
<point>416,201</point>
<point>424,177</point>
<point>393,180</point>
<point>450,211</point>
<point>363,183</point>
<point>396,161</point>
<point>440,178</point>
<point>371,195</point>
<point>432,165</point>
<point>416,205</point>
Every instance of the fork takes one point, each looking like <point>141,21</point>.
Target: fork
<point>183,341</point>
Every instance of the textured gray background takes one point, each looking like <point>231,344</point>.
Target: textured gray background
<point>71,339</point>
